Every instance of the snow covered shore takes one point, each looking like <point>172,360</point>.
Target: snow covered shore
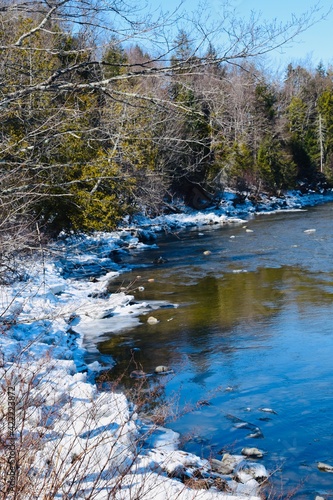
<point>69,439</point>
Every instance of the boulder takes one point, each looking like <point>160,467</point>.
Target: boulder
<point>144,236</point>
<point>325,467</point>
<point>245,470</point>
<point>227,464</point>
<point>152,321</point>
<point>162,369</point>
<point>252,452</point>
<point>138,374</point>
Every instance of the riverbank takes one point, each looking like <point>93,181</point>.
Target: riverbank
<point>70,438</point>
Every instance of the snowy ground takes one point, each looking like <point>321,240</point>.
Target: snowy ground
<point>69,439</point>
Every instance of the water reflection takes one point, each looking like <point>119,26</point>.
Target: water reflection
<point>244,339</point>
<point>224,328</point>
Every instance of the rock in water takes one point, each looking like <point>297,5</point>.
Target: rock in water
<point>252,452</point>
<point>160,260</point>
<point>325,467</point>
<point>138,374</point>
<point>162,369</point>
<point>251,469</point>
<point>268,410</point>
<point>227,464</point>
<point>152,321</point>
<point>242,424</point>
<point>144,236</point>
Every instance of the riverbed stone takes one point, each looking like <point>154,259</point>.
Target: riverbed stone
<point>162,369</point>
<point>160,260</point>
<point>245,470</point>
<point>252,452</point>
<point>144,236</point>
<point>227,464</point>
<point>325,467</point>
<point>138,374</point>
<point>249,487</point>
<point>152,320</point>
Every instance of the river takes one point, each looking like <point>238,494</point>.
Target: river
<point>253,330</point>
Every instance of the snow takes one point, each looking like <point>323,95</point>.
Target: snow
<point>81,442</point>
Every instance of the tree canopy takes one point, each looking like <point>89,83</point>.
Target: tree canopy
<point>108,110</point>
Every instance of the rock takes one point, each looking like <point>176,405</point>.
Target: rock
<point>242,424</point>
<point>152,321</point>
<point>227,464</point>
<point>138,374</point>
<point>177,470</point>
<point>162,369</point>
<point>146,237</point>
<point>245,470</point>
<point>325,467</point>
<point>252,452</point>
<point>220,467</point>
<point>268,410</point>
<point>257,434</point>
<point>247,488</point>
<point>92,279</point>
<point>116,255</point>
<point>203,402</point>
<point>160,260</point>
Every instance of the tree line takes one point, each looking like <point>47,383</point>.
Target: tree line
<point>107,110</point>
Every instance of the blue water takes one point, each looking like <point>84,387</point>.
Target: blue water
<point>254,329</point>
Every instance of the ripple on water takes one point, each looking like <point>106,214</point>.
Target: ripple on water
<point>248,340</point>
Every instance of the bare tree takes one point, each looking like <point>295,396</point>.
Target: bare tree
<point>61,153</point>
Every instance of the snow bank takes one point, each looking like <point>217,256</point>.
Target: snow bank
<point>233,208</point>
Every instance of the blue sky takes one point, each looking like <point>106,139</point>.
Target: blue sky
<point>312,46</point>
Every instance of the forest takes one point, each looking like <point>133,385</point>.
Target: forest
<point>108,111</point>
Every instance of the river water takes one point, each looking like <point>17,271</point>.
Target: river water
<point>253,329</point>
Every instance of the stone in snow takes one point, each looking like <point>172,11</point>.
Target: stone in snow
<point>252,469</point>
<point>227,464</point>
